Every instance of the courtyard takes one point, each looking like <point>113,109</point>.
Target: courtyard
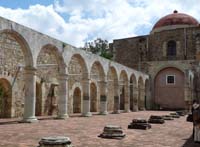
<point>84,131</point>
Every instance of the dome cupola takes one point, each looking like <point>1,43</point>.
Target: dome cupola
<point>175,20</point>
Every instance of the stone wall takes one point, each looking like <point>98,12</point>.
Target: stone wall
<point>49,59</point>
<point>11,59</point>
<point>75,69</point>
<point>128,51</point>
<point>132,51</point>
<point>149,53</point>
<point>47,79</point>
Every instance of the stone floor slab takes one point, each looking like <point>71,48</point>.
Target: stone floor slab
<point>84,131</point>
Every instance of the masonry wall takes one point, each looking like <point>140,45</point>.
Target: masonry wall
<point>149,54</point>
<point>128,51</point>
<point>11,57</point>
<point>132,51</point>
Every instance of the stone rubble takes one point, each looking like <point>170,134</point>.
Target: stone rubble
<point>156,119</point>
<point>139,124</point>
<point>57,141</point>
<point>112,131</point>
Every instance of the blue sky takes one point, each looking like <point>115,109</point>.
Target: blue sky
<point>78,21</point>
<point>23,3</point>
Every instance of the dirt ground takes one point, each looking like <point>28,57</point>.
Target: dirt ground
<point>84,132</point>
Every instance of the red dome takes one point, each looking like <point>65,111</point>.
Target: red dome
<point>176,19</point>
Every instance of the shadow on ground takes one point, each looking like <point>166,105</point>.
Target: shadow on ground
<point>190,143</point>
<point>9,122</point>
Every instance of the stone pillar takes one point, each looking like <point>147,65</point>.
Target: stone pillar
<point>142,98</point>
<point>187,92</point>
<point>63,96</point>
<point>103,97</point>
<point>135,99</point>
<point>198,47</point>
<point>86,98</point>
<point>116,98</point>
<point>127,98</point>
<point>30,95</point>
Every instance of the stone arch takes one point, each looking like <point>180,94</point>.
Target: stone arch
<point>50,66</point>
<point>94,101</point>
<point>157,70</point>
<point>78,73</point>
<point>27,53</point>
<point>14,46</point>
<point>52,55</point>
<point>5,98</point>
<point>97,71</point>
<point>169,88</point>
<point>141,93</point>
<point>133,93</point>
<point>71,97</point>
<point>77,100</point>
<point>77,67</point>
<point>97,75</point>
<point>124,90</point>
<point>112,87</point>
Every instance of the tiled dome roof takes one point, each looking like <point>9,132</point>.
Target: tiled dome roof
<point>176,19</point>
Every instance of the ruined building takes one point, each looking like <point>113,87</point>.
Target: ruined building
<point>40,75</point>
<point>170,55</point>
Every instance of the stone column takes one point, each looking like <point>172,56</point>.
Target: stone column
<point>103,97</point>
<point>127,98</point>
<point>63,97</point>
<point>30,95</point>
<point>135,99</point>
<point>142,98</point>
<point>86,98</point>
<point>116,98</point>
<point>187,93</point>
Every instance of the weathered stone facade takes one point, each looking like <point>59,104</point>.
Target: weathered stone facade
<point>11,57</point>
<point>153,53</point>
<point>40,75</point>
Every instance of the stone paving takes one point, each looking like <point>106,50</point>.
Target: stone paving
<point>83,131</point>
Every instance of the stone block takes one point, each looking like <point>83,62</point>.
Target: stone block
<point>167,117</point>
<point>174,115</point>
<point>156,119</point>
<point>112,132</point>
<point>56,141</point>
<point>139,124</point>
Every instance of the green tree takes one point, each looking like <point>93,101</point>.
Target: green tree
<point>99,47</point>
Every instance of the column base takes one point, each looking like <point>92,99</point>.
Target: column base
<point>29,120</point>
<point>65,116</point>
<point>116,112</point>
<point>104,113</point>
<point>135,108</point>
<point>142,109</point>
<point>88,114</point>
<point>127,111</point>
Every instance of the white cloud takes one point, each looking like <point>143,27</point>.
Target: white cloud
<point>89,19</point>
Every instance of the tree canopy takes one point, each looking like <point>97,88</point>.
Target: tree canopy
<point>99,47</point>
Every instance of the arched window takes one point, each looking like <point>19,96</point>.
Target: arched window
<point>171,48</point>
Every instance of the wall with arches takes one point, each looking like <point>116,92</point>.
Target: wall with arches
<point>44,70</point>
